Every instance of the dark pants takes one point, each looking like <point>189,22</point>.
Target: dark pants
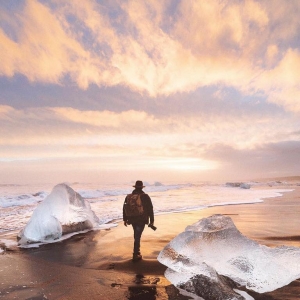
<point>138,229</point>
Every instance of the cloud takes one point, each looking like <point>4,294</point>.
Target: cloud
<point>270,159</point>
<point>150,50</point>
<point>64,131</point>
<point>281,83</point>
<point>107,119</point>
<point>241,131</point>
<point>62,138</point>
<point>5,110</point>
<point>44,50</point>
<point>220,28</point>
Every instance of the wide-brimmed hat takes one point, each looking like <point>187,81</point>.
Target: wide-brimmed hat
<point>139,184</point>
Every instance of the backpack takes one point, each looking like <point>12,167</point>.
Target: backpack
<point>133,205</point>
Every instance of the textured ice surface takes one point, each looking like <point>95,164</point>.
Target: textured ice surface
<point>62,211</point>
<point>213,246</point>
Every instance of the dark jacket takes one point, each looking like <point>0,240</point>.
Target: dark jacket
<point>148,209</point>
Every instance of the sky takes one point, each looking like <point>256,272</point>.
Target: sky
<point>157,90</point>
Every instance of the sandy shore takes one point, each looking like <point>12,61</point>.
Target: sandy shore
<point>97,265</point>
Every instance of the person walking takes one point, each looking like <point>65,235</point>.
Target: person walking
<point>138,211</point>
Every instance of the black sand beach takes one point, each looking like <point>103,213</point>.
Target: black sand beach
<point>97,265</point>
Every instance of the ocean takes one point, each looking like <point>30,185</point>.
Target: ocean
<point>17,202</point>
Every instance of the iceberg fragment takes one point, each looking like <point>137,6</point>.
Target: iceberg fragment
<point>245,186</point>
<point>62,211</point>
<point>242,185</point>
<point>211,257</point>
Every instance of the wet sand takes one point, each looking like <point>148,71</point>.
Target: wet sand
<point>97,265</point>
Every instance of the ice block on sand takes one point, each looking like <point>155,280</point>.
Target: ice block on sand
<point>62,211</point>
<point>213,255</point>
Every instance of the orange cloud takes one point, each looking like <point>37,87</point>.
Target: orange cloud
<point>281,83</point>
<point>106,118</point>
<point>173,142</point>
<point>45,50</point>
<point>149,50</point>
<point>4,110</point>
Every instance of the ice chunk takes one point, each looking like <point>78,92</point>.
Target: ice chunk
<point>63,211</point>
<point>214,247</point>
<point>245,186</point>
<point>233,184</point>
<point>238,184</point>
<point>207,284</point>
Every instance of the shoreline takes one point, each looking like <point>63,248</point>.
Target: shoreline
<point>98,264</point>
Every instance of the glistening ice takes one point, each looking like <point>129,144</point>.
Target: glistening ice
<point>63,211</point>
<point>214,247</point>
